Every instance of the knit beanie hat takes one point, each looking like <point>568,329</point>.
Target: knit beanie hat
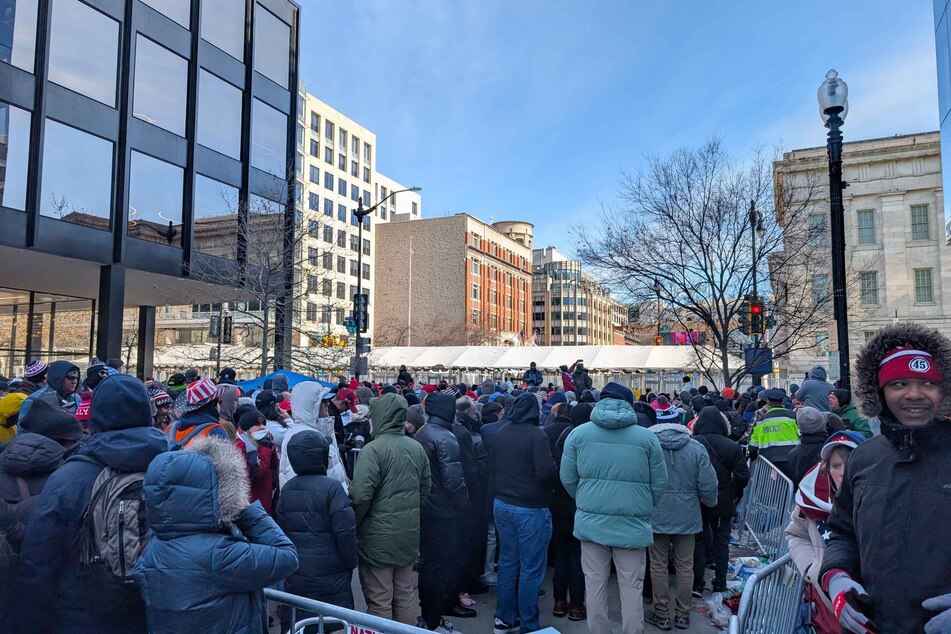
<point>580,414</point>
<point>36,371</point>
<point>810,420</point>
<point>843,396</point>
<point>415,415</point>
<point>176,383</point>
<point>160,398</point>
<point>250,418</point>
<point>617,391</point>
<point>48,420</point>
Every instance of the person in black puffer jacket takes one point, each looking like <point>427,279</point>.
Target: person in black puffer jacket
<point>733,474</point>
<point>441,569</point>
<point>315,513</point>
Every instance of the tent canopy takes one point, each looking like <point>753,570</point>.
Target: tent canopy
<point>293,378</point>
<point>595,358</point>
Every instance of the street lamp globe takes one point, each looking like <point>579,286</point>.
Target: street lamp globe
<point>833,97</point>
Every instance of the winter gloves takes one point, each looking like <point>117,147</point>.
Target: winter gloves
<point>852,604</point>
<point>942,622</point>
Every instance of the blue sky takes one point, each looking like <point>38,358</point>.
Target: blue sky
<point>529,109</point>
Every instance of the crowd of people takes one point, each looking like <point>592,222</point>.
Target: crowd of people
<point>131,506</point>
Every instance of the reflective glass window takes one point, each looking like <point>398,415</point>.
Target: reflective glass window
<point>215,225</point>
<point>14,148</point>
<point>77,176</point>
<point>74,29</point>
<point>178,10</point>
<point>268,139</point>
<point>155,200</point>
<point>18,33</point>
<point>161,86</point>
<point>219,115</point>
<point>272,43</point>
<point>222,24</point>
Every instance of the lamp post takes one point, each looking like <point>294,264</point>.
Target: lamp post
<point>657,293</point>
<point>833,97</point>
<point>360,213</point>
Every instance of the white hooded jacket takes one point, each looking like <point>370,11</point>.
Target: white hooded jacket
<point>305,405</point>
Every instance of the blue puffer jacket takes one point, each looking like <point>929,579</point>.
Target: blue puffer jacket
<point>211,554</point>
<point>691,481</point>
<point>315,512</point>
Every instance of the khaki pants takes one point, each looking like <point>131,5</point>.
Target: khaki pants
<point>596,564</point>
<point>389,592</point>
<point>683,566</point>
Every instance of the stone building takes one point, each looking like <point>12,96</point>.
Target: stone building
<point>452,281</point>
<point>898,263</point>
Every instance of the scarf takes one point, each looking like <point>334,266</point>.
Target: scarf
<point>815,494</point>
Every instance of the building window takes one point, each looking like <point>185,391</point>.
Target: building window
<point>313,256</point>
<point>338,316</point>
<point>341,238</point>
<point>817,230</point>
<point>314,148</point>
<point>354,268</point>
<point>366,222</point>
<point>820,290</point>
<point>920,225</point>
<point>475,268</point>
<point>314,122</point>
<point>268,139</point>
<point>366,247</point>
<point>341,290</point>
<point>311,312</point>
<point>222,24</point>
<point>342,162</point>
<point>155,200</point>
<point>383,212</point>
<point>328,235</point>
<point>383,193</point>
<point>341,264</point>
<point>19,37</point>
<point>78,191</point>
<point>366,174</point>
<point>367,153</point>
<point>328,180</point>
<point>328,207</point>
<point>868,334</point>
<point>326,287</point>
<point>313,202</point>
<point>75,26</point>
<point>415,209</point>
<point>822,344</point>
<point>353,220</point>
<point>342,213</point>
<point>328,260</point>
<point>866,226</point>
<point>161,84</point>
<point>328,155</point>
<point>354,193</point>
<point>329,131</point>
<point>341,187</point>
<point>475,291</point>
<point>355,146</point>
<point>475,317</point>
<point>366,271</point>
<point>14,147</point>
<point>924,291</point>
<point>343,139</point>
<point>311,284</point>
<point>366,198</point>
<point>869,288</point>
<point>354,169</point>
<point>272,41</point>
<point>314,174</point>
<point>313,229</point>
<point>354,243</point>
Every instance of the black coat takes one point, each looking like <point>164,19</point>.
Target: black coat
<point>889,523</point>
<point>805,456</point>
<point>521,469</point>
<point>315,513</point>
<point>470,465</point>
<point>562,505</point>
<point>447,497</point>
<point>727,459</point>
<point>31,458</point>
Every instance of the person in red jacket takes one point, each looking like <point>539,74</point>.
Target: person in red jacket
<point>261,459</point>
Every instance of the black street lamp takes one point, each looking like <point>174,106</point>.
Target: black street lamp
<point>657,292</point>
<point>360,213</point>
<point>833,99</point>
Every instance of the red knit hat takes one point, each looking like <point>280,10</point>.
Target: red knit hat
<point>907,363</point>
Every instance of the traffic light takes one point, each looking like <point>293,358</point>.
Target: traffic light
<point>757,318</point>
<point>226,328</point>
<point>744,317</point>
<point>658,340</point>
<point>360,311</point>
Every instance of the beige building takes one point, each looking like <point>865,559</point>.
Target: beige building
<point>898,263</point>
<point>569,307</point>
<point>453,281</point>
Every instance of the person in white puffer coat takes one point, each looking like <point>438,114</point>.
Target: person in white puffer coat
<point>309,407</point>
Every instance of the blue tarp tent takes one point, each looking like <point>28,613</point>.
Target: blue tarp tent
<point>293,378</point>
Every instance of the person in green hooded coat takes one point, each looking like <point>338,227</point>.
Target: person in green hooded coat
<point>840,404</point>
<point>390,480</point>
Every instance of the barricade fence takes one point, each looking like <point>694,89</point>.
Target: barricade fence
<point>768,502</point>
<point>771,600</point>
<point>324,615</point>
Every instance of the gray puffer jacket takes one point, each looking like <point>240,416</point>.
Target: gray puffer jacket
<point>691,480</point>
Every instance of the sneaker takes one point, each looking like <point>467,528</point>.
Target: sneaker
<point>698,590</point>
<point>681,621</point>
<point>501,627</point>
<point>660,621</point>
<point>446,627</point>
<point>490,579</point>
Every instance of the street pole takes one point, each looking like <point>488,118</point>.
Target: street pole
<point>657,292</point>
<point>360,214</point>
<point>756,378</point>
<point>409,313</point>
<point>833,106</point>
<point>221,332</point>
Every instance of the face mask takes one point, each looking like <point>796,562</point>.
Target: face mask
<point>260,435</point>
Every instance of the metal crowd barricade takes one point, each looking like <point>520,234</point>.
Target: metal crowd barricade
<point>771,600</point>
<point>768,502</point>
<point>323,614</point>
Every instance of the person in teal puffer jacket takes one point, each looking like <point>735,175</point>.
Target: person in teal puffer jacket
<point>614,468</point>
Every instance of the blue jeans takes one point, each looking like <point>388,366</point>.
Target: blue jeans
<point>523,541</point>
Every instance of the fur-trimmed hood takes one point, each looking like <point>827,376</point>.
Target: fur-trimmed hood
<point>198,490</point>
<point>865,387</point>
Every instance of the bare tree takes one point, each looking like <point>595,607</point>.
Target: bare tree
<point>685,223</point>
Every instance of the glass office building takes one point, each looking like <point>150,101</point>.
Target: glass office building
<point>942,36</point>
<point>133,135</point>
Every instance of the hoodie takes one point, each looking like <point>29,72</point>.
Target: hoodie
<point>814,391</point>
<point>726,457</point>
<point>211,553</point>
<point>691,481</point>
<point>521,467</point>
<point>305,404</point>
<point>52,392</point>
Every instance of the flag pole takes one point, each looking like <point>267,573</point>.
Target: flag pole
<point>409,313</point>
